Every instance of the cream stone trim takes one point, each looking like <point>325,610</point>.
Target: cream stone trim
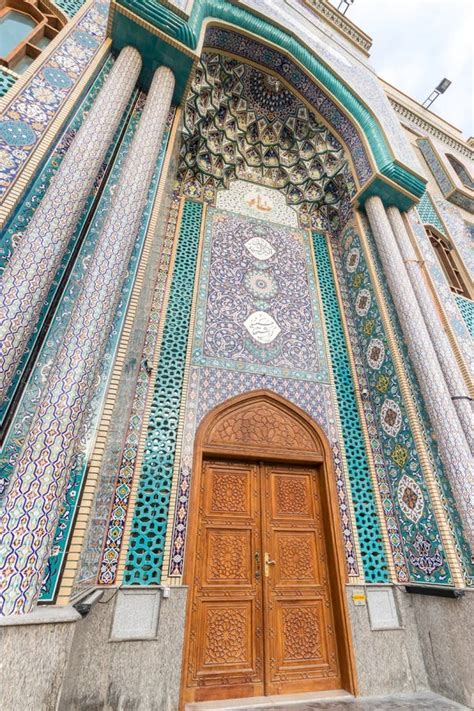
<point>342,24</point>
<point>110,19</point>
<point>23,179</point>
<point>147,410</point>
<point>360,579</point>
<point>421,122</point>
<point>463,367</point>
<point>420,443</point>
<point>166,580</point>
<point>55,10</point>
<point>6,70</point>
<point>365,431</point>
<point>95,464</point>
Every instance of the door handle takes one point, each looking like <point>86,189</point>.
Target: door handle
<point>257,565</point>
<point>268,562</point>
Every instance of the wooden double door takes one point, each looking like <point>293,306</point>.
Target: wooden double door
<point>260,619</point>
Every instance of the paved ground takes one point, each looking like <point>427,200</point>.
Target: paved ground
<point>398,702</point>
<point>402,702</point>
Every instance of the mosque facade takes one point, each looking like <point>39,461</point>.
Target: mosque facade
<point>236,360</point>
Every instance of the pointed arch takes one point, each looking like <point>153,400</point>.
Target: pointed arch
<point>169,37</point>
<point>262,420</point>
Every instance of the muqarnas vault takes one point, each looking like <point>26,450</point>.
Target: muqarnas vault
<point>235,361</point>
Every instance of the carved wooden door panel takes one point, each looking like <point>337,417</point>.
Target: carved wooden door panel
<point>261,620</point>
<point>226,637</point>
<point>300,644</point>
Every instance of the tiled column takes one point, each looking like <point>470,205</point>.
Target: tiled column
<point>38,484</point>
<point>452,442</point>
<point>447,361</point>
<point>30,272</point>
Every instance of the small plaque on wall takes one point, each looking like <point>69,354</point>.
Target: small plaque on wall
<point>136,615</point>
<point>383,612</point>
<point>358,597</point>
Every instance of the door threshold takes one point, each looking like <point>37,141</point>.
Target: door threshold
<point>264,702</point>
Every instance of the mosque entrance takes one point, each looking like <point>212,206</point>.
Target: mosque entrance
<point>265,610</point>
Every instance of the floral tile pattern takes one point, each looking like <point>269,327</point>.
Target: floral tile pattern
<point>409,518</point>
<point>29,114</point>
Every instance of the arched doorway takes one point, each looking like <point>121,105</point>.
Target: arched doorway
<point>266,606</point>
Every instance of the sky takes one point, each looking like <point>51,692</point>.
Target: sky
<point>416,43</point>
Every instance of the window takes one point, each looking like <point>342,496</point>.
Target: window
<point>26,28</point>
<point>449,262</point>
<point>461,172</point>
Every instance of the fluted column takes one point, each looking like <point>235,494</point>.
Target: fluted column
<point>452,442</point>
<point>30,272</point>
<point>439,339</point>
<point>38,484</point>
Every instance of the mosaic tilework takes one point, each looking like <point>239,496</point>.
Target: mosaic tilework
<point>30,400</point>
<point>58,418</point>
<point>209,387</point>
<point>460,232</point>
<point>442,176</point>
<point>437,334</point>
<point>429,215</point>
<point>30,113</point>
<point>249,48</point>
<point>258,201</point>
<point>15,230</point>
<point>466,307</point>
<point>403,491</point>
<point>78,471</point>
<point>7,80</point>
<point>69,7</point>
<point>260,289</point>
<point>452,442</point>
<point>280,251</point>
<point>463,548</point>
<point>27,277</point>
<point>145,554</point>
<point>391,521</point>
<point>373,556</point>
<point>437,466</point>
<point>117,510</point>
<point>242,123</point>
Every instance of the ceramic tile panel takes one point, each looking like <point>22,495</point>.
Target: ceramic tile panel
<point>58,419</point>
<point>356,73</point>
<point>27,278</point>
<point>29,114</point>
<point>452,442</point>
<point>407,508</point>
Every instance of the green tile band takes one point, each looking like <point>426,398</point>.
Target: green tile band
<point>368,528</point>
<point>147,537</point>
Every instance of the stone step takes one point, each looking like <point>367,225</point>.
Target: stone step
<point>337,700</point>
<point>269,702</point>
